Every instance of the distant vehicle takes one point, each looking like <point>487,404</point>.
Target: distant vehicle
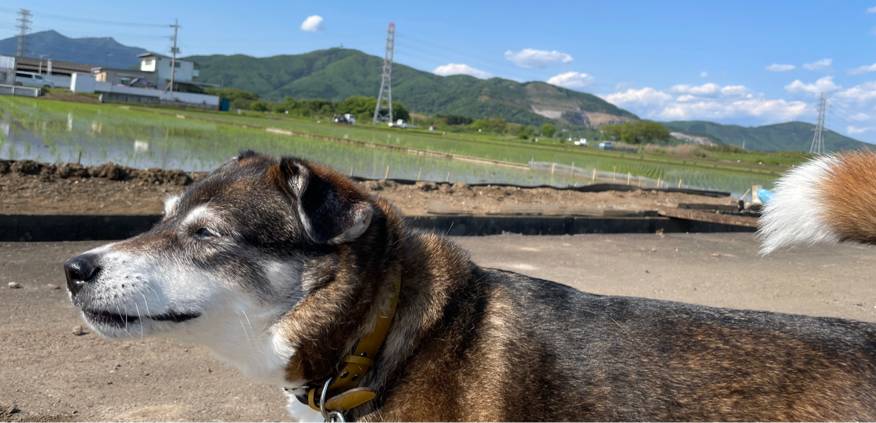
<point>582,142</point>
<point>346,119</point>
<point>30,79</point>
<point>606,145</point>
<point>398,124</point>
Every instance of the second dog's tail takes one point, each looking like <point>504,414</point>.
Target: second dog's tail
<point>829,199</point>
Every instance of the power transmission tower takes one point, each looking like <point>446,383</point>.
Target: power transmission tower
<point>174,49</point>
<point>23,26</point>
<point>817,146</point>
<point>385,94</point>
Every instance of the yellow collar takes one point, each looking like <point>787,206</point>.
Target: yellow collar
<point>343,393</point>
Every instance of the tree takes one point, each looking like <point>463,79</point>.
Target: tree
<point>493,125</point>
<point>239,99</point>
<point>524,132</point>
<point>548,130</point>
<point>454,120</point>
<point>259,106</point>
<point>363,108</point>
<point>637,132</point>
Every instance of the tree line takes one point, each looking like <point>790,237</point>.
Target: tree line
<point>362,107</point>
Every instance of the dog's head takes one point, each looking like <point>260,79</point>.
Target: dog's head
<point>229,257</point>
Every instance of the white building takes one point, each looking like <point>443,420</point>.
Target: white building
<point>186,72</point>
<point>7,69</point>
<point>119,93</point>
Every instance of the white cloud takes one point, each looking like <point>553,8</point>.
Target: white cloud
<point>871,9</point>
<point>859,117</point>
<point>734,90</point>
<point>643,97</point>
<point>862,93</point>
<point>708,101</point>
<point>312,24</point>
<point>571,80</point>
<point>708,88</point>
<point>821,85</point>
<point>855,130</point>
<point>819,64</point>
<point>704,74</point>
<point>780,67</point>
<point>863,69</point>
<point>461,69</point>
<point>532,58</point>
<point>764,109</point>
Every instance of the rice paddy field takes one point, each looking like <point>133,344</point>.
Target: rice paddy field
<point>56,131</point>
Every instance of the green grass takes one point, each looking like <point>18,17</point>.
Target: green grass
<point>201,139</point>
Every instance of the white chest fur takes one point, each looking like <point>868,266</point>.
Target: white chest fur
<point>299,411</point>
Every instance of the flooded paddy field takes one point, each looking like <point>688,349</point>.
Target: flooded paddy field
<point>52,131</point>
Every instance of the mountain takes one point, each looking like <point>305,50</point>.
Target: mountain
<point>788,136</point>
<point>98,51</point>
<point>337,73</point>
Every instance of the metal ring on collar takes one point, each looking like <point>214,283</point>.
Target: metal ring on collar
<point>329,416</point>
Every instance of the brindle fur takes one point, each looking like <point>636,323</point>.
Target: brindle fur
<point>470,343</point>
<point>482,344</point>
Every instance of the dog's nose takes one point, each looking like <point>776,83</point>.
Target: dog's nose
<point>80,270</point>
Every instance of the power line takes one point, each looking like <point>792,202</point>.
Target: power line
<point>385,92</point>
<point>24,16</point>
<point>50,16</point>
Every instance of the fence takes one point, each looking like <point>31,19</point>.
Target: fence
<point>592,175</point>
<point>19,91</point>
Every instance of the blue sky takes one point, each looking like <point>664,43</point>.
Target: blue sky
<point>744,62</point>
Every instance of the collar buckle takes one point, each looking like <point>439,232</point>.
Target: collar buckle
<point>346,395</point>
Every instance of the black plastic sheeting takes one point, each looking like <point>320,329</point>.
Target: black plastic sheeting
<point>112,227</point>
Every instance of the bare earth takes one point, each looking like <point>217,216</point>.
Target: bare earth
<point>47,193</point>
<point>48,373</point>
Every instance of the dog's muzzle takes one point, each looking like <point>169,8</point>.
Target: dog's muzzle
<point>81,270</point>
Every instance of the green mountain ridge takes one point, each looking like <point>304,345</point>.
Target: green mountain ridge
<point>335,74</point>
<point>96,51</point>
<point>788,136</point>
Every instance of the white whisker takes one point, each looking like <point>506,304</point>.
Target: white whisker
<point>140,319</point>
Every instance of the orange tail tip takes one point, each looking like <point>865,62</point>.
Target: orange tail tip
<point>829,199</point>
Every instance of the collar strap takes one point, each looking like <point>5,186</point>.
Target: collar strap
<point>343,392</point>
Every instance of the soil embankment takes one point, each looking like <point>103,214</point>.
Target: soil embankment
<point>28,187</point>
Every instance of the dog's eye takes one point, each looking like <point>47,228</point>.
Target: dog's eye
<point>204,233</point>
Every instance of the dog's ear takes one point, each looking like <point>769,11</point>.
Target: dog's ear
<point>331,209</point>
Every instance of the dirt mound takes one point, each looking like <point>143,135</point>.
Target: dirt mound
<point>110,171</point>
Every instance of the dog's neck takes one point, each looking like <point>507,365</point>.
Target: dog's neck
<point>328,323</point>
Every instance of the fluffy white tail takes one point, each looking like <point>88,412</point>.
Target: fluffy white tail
<point>828,199</point>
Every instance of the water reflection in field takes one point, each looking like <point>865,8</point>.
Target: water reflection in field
<point>92,134</point>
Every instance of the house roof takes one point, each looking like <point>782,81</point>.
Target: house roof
<point>145,55</point>
<point>151,54</point>
<point>56,64</point>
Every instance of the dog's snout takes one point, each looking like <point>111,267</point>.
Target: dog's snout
<point>81,270</point>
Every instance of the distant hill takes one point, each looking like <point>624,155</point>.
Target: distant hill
<point>788,136</point>
<point>335,74</point>
<point>97,51</point>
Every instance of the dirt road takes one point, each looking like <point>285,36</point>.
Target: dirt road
<point>48,373</point>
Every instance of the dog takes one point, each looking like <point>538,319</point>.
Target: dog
<point>287,270</point>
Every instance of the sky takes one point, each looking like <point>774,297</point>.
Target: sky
<point>741,62</point>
